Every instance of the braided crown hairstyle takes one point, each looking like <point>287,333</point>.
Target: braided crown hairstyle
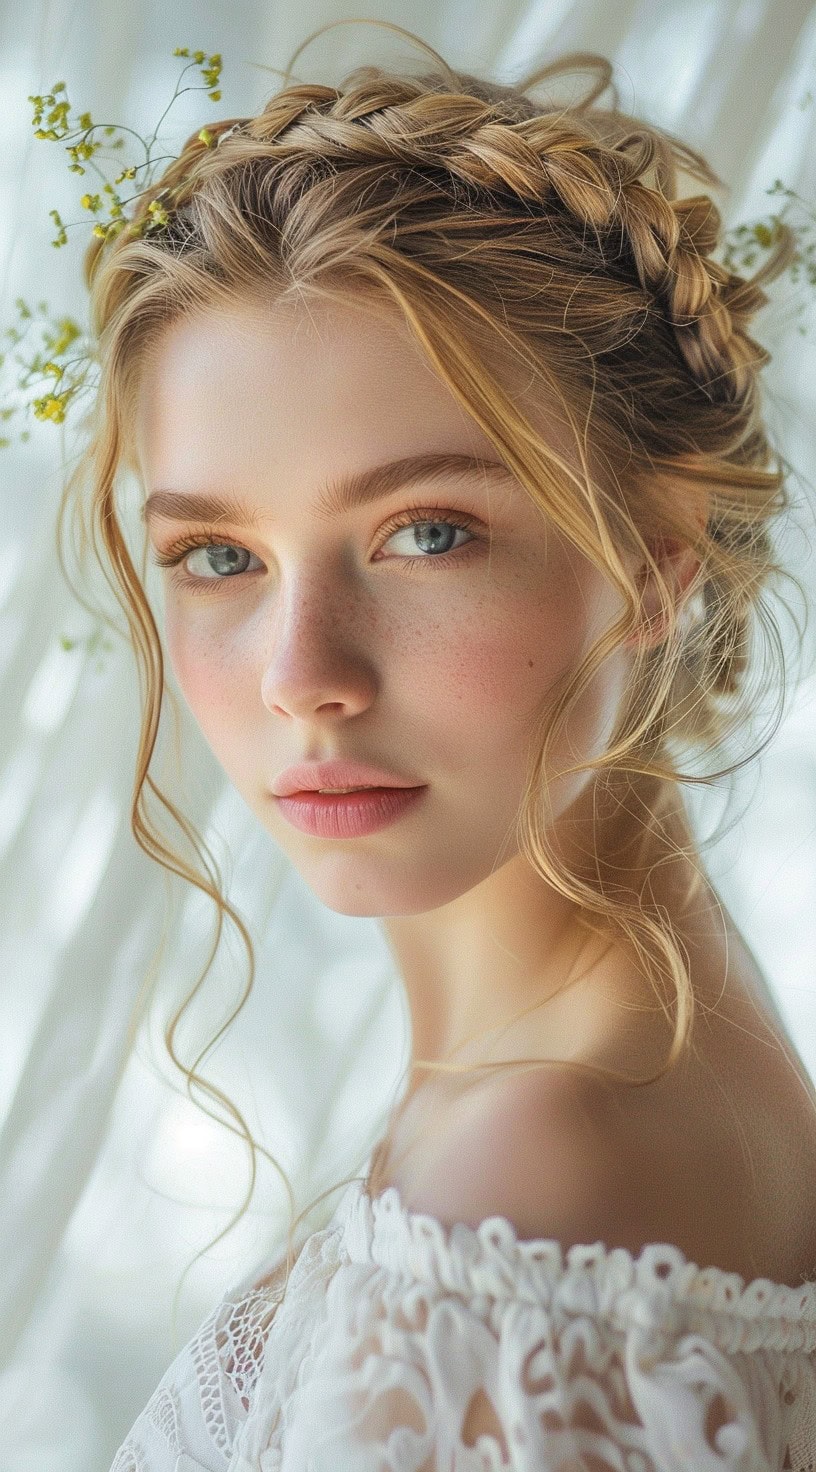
<point>504,230</point>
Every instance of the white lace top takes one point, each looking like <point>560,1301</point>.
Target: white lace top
<point>591,1361</point>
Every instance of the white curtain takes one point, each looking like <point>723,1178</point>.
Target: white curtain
<point>111,1180</point>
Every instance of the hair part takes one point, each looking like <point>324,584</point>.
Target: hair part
<point>511,235</point>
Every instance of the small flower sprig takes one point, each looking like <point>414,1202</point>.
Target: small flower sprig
<point>84,151</point>
<point>65,357</point>
<point>744,244</point>
<point>63,365</point>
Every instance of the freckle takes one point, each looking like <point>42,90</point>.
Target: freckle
<point>530,663</point>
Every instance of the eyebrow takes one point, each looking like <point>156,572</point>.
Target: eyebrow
<point>344,494</point>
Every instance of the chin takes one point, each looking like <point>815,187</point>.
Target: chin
<point>361,885</point>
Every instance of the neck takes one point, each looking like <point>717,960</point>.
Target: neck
<point>513,942</point>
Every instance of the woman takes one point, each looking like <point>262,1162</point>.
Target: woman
<point>449,431</point>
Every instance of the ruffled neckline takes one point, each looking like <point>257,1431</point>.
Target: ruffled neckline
<point>659,1283</point>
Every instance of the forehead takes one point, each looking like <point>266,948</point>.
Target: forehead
<point>283,380</point>
<point>289,375</point>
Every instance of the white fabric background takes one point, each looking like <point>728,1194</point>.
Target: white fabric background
<point>110,1179</point>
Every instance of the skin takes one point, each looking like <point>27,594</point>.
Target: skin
<point>331,644</point>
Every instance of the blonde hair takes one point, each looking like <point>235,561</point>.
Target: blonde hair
<point>513,230</point>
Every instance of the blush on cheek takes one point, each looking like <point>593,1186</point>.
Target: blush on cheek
<point>205,675</point>
<point>506,660</point>
<point>498,678</point>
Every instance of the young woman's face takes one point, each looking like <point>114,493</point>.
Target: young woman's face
<point>303,634</point>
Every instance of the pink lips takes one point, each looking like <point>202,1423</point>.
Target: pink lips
<point>343,815</point>
<point>348,815</point>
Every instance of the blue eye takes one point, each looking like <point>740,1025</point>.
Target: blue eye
<point>223,558</point>
<point>434,537</point>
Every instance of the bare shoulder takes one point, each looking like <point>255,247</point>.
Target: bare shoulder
<point>718,1158</point>
<point>551,1153</point>
<point>543,1149</point>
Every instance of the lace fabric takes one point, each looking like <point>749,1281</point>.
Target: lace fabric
<point>190,1421</point>
<point>403,1346</point>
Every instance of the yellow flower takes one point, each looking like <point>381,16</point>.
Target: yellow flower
<point>51,406</point>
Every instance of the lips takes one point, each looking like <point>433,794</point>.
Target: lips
<point>352,815</point>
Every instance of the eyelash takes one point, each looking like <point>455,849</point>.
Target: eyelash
<point>413,515</point>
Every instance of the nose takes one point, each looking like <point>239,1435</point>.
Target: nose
<point>317,665</point>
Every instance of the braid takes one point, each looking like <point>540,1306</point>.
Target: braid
<point>541,161</point>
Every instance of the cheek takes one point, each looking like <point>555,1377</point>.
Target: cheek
<point>211,679</point>
<point>498,671</point>
<point>498,655</point>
